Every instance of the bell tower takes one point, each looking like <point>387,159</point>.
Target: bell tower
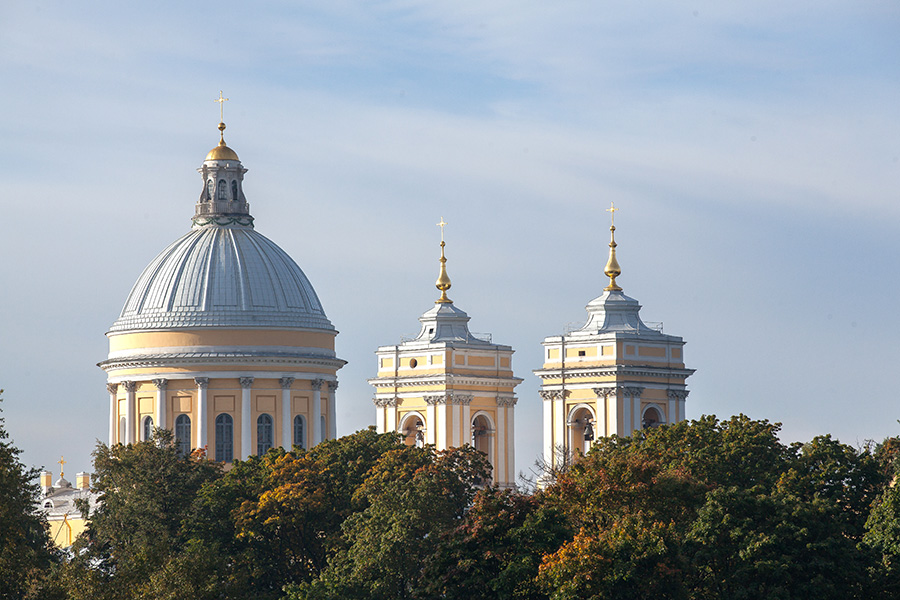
<point>612,376</point>
<point>449,387</point>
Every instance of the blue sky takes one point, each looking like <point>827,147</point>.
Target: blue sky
<point>753,148</point>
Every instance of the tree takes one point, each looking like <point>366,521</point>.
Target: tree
<point>411,498</point>
<point>146,492</point>
<point>708,509</point>
<point>495,552</point>
<point>25,547</point>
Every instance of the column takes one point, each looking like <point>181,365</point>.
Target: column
<point>380,414</point>
<point>676,405</point>
<point>161,404</point>
<point>465,400</point>
<point>511,440</point>
<point>559,421</point>
<point>202,411</point>
<point>332,410</point>
<point>431,419</point>
<point>113,389</point>
<point>390,411</point>
<point>246,440</point>
<point>315,413</point>
<point>548,427</point>
<point>500,470</point>
<point>627,416</point>
<point>457,424</point>
<point>632,399</point>
<point>287,437</point>
<point>612,412</point>
<point>440,424</point>
<point>130,386</point>
<point>601,410</point>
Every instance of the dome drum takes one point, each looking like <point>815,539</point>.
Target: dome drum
<point>223,339</point>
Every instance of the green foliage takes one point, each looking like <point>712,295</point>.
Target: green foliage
<point>704,510</point>
<point>709,509</point>
<point>146,490</point>
<point>25,548</point>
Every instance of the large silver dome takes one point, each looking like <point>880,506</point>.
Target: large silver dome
<point>222,276</point>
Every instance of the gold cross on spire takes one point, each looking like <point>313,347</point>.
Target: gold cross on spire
<point>441,225</point>
<point>221,100</point>
<point>62,463</point>
<point>612,213</point>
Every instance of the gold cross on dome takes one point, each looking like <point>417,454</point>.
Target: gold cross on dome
<point>612,213</point>
<point>62,463</point>
<point>221,100</point>
<point>441,225</point>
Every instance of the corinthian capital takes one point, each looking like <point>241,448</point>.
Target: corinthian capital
<point>549,394</point>
<point>202,382</point>
<point>112,388</point>
<point>464,399</point>
<point>332,386</point>
<point>677,394</point>
<point>506,400</point>
<point>161,384</point>
<point>382,402</point>
<point>605,392</point>
<point>632,391</point>
<point>435,399</point>
<point>316,384</point>
<point>130,386</point>
<point>286,382</point>
<point>246,382</point>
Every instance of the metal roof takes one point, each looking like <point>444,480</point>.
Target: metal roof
<point>222,276</point>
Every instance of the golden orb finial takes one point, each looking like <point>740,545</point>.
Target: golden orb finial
<point>222,151</point>
<point>443,280</point>
<point>612,269</point>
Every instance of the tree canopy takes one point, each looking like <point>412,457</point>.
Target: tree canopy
<point>704,509</point>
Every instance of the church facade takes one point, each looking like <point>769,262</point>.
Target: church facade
<point>612,376</point>
<point>222,339</point>
<point>449,387</point>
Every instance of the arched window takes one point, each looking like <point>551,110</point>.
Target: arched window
<point>264,434</point>
<point>234,194</point>
<point>224,438</point>
<point>123,428</point>
<point>652,418</point>
<point>299,437</point>
<point>220,192</point>
<point>481,434</point>
<point>581,428</point>
<point>183,435</point>
<point>147,429</point>
<point>413,430</point>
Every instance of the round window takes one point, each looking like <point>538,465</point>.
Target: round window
<point>412,363</point>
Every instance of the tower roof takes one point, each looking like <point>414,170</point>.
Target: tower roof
<point>222,273</point>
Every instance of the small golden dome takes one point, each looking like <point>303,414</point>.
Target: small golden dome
<point>222,152</point>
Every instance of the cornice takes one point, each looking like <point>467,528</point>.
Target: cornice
<point>423,380</point>
<point>614,371</point>
<point>157,361</point>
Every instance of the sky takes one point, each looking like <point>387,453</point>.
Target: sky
<point>752,148</point>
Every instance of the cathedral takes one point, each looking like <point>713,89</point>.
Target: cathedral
<point>223,341</point>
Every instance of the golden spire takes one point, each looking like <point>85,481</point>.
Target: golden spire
<point>612,269</point>
<point>221,100</point>
<point>443,280</point>
<point>62,463</point>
